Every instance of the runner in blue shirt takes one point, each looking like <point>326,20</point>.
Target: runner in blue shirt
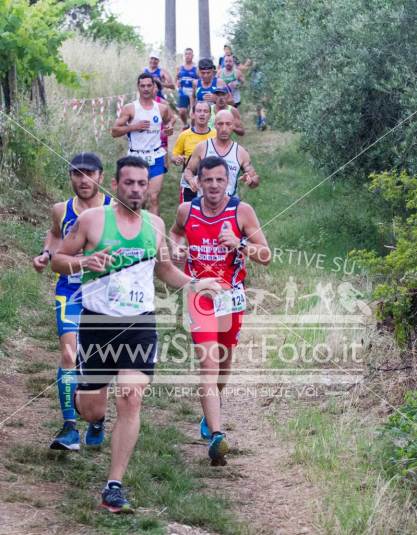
<point>186,74</point>
<point>159,73</point>
<point>205,87</point>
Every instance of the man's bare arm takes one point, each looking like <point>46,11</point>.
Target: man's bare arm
<point>167,80</point>
<point>177,240</point>
<point>52,239</point>
<point>193,97</point>
<point>192,167</point>
<point>67,259</point>
<point>240,77</point>
<point>257,248</point>
<point>238,127</point>
<point>249,177</point>
<point>121,126</point>
<point>165,269</point>
<point>168,119</point>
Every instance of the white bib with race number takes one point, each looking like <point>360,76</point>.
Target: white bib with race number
<point>230,301</point>
<point>127,292</point>
<point>147,155</point>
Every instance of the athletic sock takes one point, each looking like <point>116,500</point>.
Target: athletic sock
<point>216,433</point>
<point>72,423</point>
<point>112,483</point>
<point>66,383</point>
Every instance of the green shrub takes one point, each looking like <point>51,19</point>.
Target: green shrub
<point>396,273</point>
<point>399,441</point>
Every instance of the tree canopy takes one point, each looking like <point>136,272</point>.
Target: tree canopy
<point>340,73</point>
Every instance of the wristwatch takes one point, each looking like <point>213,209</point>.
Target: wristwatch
<point>243,243</point>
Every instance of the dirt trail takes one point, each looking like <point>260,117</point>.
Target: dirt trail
<point>268,492</point>
<point>26,506</point>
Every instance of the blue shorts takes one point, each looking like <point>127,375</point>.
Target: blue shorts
<point>68,307</point>
<point>183,101</point>
<point>158,168</point>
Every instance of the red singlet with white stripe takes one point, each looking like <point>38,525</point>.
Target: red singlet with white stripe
<point>206,257</point>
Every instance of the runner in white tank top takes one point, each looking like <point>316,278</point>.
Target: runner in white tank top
<point>146,143</point>
<point>142,122</point>
<point>232,161</point>
<point>236,157</point>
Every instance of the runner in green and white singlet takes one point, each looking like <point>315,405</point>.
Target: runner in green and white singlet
<point>123,246</point>
<point>127,286</point>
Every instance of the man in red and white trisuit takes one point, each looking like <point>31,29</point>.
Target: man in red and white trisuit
<point>215,233</point>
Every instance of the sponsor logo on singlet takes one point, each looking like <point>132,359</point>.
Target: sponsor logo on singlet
<point>130,251</point>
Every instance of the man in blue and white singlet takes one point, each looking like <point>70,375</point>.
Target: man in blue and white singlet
<point>186,74</point>
<point>159,73</point>
<point>86,174</point>
<point>142,121</point>
<point>205,87</point>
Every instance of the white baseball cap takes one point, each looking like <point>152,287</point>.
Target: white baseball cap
<point>154,54</point>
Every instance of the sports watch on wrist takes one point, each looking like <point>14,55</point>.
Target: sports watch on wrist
<point>243,243</point>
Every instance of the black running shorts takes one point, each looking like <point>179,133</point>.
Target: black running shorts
<point>106,345</point>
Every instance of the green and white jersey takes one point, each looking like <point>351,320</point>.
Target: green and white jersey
<point>126,288</point>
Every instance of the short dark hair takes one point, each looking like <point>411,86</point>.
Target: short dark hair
<point>158,84</point>
<point>188,49</point>
<point>145,75</point>
<point>200,102</point>
<point>130,161</point>
<point>210,163</point>
<point>206,64</point>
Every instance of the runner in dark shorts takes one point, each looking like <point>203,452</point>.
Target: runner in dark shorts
<point>98,363</point>
<point>122,247</point>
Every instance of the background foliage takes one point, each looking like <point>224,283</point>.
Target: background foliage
<point>340,73</point>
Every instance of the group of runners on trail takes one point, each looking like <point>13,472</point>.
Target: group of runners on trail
<point>107,248</point>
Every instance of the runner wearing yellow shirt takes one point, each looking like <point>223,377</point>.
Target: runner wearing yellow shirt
<point>188,140</point>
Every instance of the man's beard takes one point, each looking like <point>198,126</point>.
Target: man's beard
<point>86,195</point>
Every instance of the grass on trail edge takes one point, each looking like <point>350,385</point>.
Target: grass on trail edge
<point>338,448</point>
<point>159,484</point>
<point>332,220</point>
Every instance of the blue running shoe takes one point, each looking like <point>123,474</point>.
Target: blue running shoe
<point>94,435</point>
<point>114,500</point>
<point>68,438</point>
<point>204,429</point>
<point>217,449</point>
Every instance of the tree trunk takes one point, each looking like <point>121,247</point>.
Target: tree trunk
<point>204,28</point>
<point>6,93</point>
<point>42,91</point>
<point>170,29</point>
<point>12,81</point>
<point>38,93</point>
